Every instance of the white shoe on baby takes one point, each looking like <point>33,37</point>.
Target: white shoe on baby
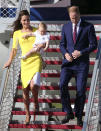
<point>22,57</point>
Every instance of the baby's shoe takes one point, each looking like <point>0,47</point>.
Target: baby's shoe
<point>22,57</point>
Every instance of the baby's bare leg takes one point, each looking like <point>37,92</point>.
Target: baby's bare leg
<point>33,50</point>
<point>29,53</point>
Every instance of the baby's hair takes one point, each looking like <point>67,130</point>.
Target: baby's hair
<point>43,25</point>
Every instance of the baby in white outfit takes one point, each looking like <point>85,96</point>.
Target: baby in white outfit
<point>41,43</point>
<point>41,39</point>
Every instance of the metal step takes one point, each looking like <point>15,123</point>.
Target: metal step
<point>51,113</point>
<point>56,74</point>
<point>55,87</point>
<point>43,100</point>
<point>44,126</point>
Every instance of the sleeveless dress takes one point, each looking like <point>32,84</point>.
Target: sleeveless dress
<point>31,65</point>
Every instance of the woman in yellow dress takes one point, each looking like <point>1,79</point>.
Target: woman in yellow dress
<point>30,67</point>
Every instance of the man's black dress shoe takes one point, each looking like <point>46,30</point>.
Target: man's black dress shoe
<point>67,118</point>
<point>79,122</point>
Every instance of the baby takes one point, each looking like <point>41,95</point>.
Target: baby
<point>41,42</point>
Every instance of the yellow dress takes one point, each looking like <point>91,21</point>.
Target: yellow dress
<point>32,64</point>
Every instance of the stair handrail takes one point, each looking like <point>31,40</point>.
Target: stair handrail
<point>5,76</point>
<point>93,89</point>
<point>8,90</point>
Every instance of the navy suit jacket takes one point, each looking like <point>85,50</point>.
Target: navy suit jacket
<point>86,42</point>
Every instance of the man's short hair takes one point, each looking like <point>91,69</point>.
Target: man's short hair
<point>73,9</point>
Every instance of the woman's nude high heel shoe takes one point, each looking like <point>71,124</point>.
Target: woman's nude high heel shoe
<point>36,109</point>
<point>27,121</point>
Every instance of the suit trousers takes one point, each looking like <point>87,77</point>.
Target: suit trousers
<point>80,75</point>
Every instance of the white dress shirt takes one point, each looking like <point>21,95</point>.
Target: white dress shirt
<point>78,25</point>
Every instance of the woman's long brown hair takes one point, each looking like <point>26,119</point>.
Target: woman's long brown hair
<point>17,23</point>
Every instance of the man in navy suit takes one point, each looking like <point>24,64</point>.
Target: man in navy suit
<point>78,40</point>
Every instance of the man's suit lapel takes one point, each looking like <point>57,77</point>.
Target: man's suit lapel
<point>70,33</point>
<point>79,32</point>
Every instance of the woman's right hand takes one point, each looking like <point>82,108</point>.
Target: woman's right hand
<point>7,64</point>
<point>25,36</point>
